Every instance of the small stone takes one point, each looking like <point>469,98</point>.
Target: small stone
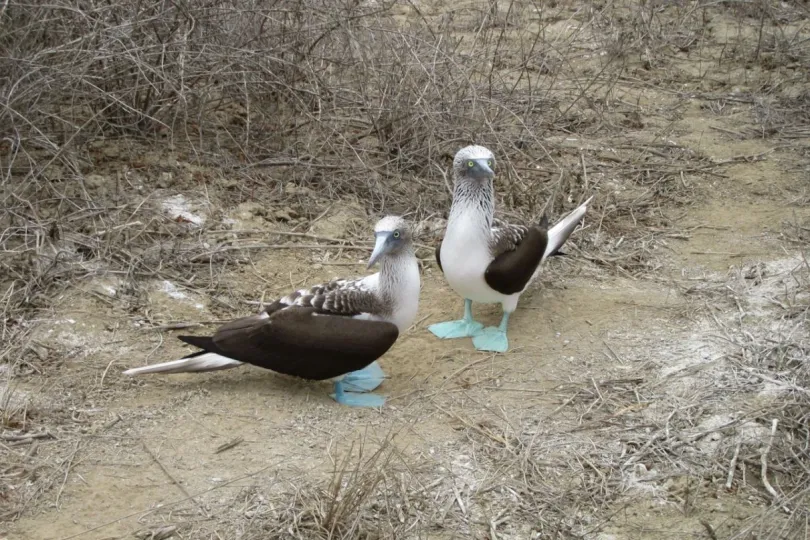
<point>282,215</point>
<point>111,151</point>
<point>94,181</point>
<point>168,161</point>
<point>166,179</point>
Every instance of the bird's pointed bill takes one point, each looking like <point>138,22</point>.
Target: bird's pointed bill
<point>379,248</point>
<point>485,169</point>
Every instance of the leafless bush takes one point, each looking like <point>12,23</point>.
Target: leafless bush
<point>341,97</point>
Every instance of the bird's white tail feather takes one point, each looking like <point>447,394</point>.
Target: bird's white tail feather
<point>203,362</point>
<point>560,232</point>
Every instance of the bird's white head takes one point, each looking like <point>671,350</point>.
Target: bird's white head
<point>393,235</point>
<point>474,163</point>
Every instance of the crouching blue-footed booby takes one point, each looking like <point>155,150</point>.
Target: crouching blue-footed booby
<point>487,260</point>
<point>335,330</point>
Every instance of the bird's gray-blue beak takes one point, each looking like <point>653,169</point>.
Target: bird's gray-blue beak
<point>482,169</point>
<point>380,247</point>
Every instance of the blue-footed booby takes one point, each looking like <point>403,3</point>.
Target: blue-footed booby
<point>335,330</point>
<point>487,260</point>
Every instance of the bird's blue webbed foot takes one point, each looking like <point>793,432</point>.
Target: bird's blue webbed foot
<point>364,380</point>
<point>352,388</point>
<point>493,339</point>
<point>466,327</point>
<point>455,329</point>
<point>353,399</point>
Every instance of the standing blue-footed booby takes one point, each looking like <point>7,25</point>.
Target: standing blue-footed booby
<point>486,260</point>
<point>335,330</point>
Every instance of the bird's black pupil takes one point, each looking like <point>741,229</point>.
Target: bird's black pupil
<point>396,234</point>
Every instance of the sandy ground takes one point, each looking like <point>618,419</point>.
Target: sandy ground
<point>609,418</point>
<point>154,440</point>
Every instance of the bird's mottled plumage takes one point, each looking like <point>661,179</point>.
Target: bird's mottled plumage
<point>338,297</point>
<point>324,331</point>
<point>506,237</point>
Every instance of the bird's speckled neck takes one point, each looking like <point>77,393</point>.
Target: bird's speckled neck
<point>399,285</point>
<point>473,202</point>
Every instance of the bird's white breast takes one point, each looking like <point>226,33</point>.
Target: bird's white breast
<point>465,257</point>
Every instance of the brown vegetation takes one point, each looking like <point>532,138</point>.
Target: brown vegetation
<point>286,112</point>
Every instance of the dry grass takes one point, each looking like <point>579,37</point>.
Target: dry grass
<point>771,360</point>
<point>372,110</point>
<point>107,108</point>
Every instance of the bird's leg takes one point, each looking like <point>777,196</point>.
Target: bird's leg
<point>364,380</point>
<point>352,399</point>
<point>493,339</point>
<point>466,327</point>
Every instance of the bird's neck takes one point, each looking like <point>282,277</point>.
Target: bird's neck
<point>473,204</point>
<point>399,285</point>
<point>396,273</point>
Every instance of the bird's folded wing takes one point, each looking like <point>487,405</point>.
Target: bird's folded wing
<point>312,333</point>
<point>306,342</point>
<point>519,252</point>
<point>506,237</point>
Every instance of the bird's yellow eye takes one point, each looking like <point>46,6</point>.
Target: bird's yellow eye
<point>396,234</point>
<point>489,163</point>
<point>470,164</point>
